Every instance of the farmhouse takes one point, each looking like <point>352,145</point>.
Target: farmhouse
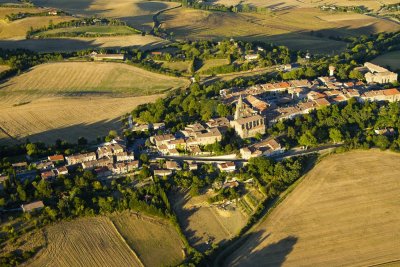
<point>62,170</point>
<point>172,165</point>
<point>252,56</point>
<point>100,57</point>
<point>48,175</point>
<point>32,206</point>
<point>377,74</point>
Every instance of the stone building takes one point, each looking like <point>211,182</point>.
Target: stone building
<point>377,74</point>
<point>246,123</point>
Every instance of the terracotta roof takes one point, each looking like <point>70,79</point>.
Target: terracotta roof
<point>32,206</point>
<point>392,91</point>
<point>56,158</point>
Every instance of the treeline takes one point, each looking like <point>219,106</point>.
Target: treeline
<point>352,124</point>
<point>93,21</point>
<point>245,8</point>
<point>22,15</point>
<point>355,9</point>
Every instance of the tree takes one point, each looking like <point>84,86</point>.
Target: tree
<point>307,139</point>
<point>335,135</point>
<point>144,158</point>
<point>355,74</point>
<point>31,149</point>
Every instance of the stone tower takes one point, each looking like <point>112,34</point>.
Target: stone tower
<point>239,108</point>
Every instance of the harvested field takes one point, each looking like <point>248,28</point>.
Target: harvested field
<point>73,99</point>
<point>391,60</point>
<point>85,242</point>
<point>91,31</point>
<point>81,43</point>
<point>155,241</point>
<point>182,66</point>
<point>344,212</point>
<point>16,30</point>
<point>86,79</point>
<point>282,27</point>
<point>137,13</point>
<point>205,224</point>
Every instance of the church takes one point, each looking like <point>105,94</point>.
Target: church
<point>247,123</point>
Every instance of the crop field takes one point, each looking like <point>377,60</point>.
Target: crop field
<point>155,241</point>
<point>73,99</point>
<point>205,224</point>
<point>91,30</point>
<point>85,242</point>
<point>182,66</point>
<point>15,10</point>
<point>137,13</point>
<point>344,212</point>
<point>305,28</point>
<point>391,60</point>
<point>80,43</point>
<point>277,5</point>
<point>16,30</point>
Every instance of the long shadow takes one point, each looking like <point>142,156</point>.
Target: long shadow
<point>274,254</point>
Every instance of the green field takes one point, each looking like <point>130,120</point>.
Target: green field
<point>391,60</point>
<point>89,31</point>
<point>212,63</point>
<point>182,66</point>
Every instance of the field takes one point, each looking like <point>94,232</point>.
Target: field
<point>154,241</point>
<point>182,66</point>
<point>276,5</point>
<point>85,242</point>
<point>205,224</point>
<point>211,63</point>
<point>391,60</point>
<point>73,99</point>
<point>91,31</point>
<point>81,43</point>
<point>137,13</point>
<point>301,28</point>
<point>344,212</point>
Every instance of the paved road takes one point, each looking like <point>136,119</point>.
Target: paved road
<point>288,154</point>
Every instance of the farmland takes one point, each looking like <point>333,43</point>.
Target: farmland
<point>136,13</point>
<point>155,241</point>
<point>68,100</point>
<point>285,28</point>
<point>85,242</point>
<point>90,31</point>
<point>337,215</point>
<point>391,60</point>
<point>211,63</point>
<point>205,224</point>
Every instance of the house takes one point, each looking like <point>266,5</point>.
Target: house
<point>109,150</point>
<point>162,139</point>
<point>48,175</point>
<point>56,158</point>
<point>19,166</point>
<point>124,167</point>
<point>227,166</point>
<point>62,170</point>
<point>218,123</point>
<point>269,147</point>
<point>37,205</point>
<point>377,74</point>
<point>230,184</point>
<point>251,57</point>
<point>53,12</point>
<point>104,162</point>
<point>162,173</point>
<point>45,165</point>
<point>257,104</point>
<point>386,131</point>
<point>80,158</point>
<point>390,95</point>
<point>100,57</point>
<point>193,166</point>
<point>172,165</point>
<point>124,156</point>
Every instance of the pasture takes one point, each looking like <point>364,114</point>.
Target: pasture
<point>391,60</point>
<point>137,13</point>
<point>182,66</point>
<point>343,212</point>
<point>73,99</point>
<point>155,241</point>
<point>85,242</point>
<point>205,224</point>
<point>305,28</point>
<point>211,63</point>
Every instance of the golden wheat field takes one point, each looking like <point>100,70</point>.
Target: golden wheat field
<point>204,224</point>
<point>344,213</point>
<point>305,28</point>
<point>154,240</point>
<point>85,242</point>
<point>137,13</point>
<point>73,99</point>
